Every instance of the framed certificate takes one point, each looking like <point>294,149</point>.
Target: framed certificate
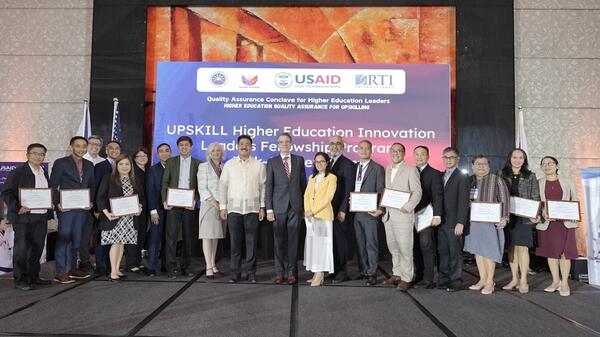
<point>75,199</point>
<point>123,206</point>
<point>423,218</point>
<point>394,199</point>
<point>563,210</point>
<point>488,212</point>
<point>36,198</point>
<point>526,208</point>
<point>180,197</point>
<point>363,202</point>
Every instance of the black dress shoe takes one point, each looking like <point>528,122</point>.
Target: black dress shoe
<point>22,285</point>
<point>101,271</point>
<point>173,274</point>
<point>251,278</point>
<point>441,285</point>
<point>341,277</point>
<point>150,272</point>
<point>86,267</point>
<point>235,279</point>
<point>425,285</point>
<point>452,289</point>
<point>371,281</point>
<point>185,273</point>
<point>41,281</point>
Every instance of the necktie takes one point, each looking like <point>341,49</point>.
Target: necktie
<point>286,166</point>
<point>360,169</point>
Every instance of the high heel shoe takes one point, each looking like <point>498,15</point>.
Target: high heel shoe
<point>215,270</point>
<point>551,289</point>
<point>476,286</point>
<point>565,293</point>
<point>523,288</point>
<point>209,274</point>
<point>488,292</point>
<point>511,286</point>
<point>113,279</point>
<point>317,280</point>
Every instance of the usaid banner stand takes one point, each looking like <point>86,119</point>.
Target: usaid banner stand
<point>591,194</point>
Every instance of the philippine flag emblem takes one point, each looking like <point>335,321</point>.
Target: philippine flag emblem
<point>249,80</point>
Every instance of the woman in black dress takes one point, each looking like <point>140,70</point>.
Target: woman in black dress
<point>134,252</point>
<point>518,233</point>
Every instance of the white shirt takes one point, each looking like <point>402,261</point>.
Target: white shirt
<point>184,172</point>
<point>94,161</point>
<point>358,183</point>
<point>334,159</point>
<point>242,186</point>
<point>448,173</point>
<point>394,171</point>
<point>40,182</point>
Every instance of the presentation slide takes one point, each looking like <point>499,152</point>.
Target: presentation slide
<point>219,101</point>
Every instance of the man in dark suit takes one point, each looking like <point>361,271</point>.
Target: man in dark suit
<point>71,172</point>
<point>345,171</point>
<point>433,193</point>
<point>180,172</point>
<point>454,219</point>
<point>30,226</point>
<point>286,182</point>
<point>158,215</point>
<point>113,150</point>
<point>370,178</point>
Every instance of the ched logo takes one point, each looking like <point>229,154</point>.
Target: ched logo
<point>283,80</point>
<point>249,80</point>
<point>381,80</point>
<point>218,78</point>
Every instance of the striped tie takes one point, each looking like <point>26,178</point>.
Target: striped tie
<point>286,166</point>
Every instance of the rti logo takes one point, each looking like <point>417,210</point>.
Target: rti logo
<point>374,81</point>
<point>283,80</point>
<point>218,78</point>
<point>249,80</point>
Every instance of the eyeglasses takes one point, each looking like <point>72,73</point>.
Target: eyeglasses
<point>95,144</point>
<point>481,164</point>
<point>336,143</point>
<point>449,158</point>
<point>320,162</point>
<point>141,156</point>
<point>548,164</point>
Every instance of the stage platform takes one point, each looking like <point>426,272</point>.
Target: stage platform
<point>195,306</point>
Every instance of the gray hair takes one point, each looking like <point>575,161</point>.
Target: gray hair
<point>211,146</point>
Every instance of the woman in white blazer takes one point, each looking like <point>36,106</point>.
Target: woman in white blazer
<point>556,238</point>
<point>212,228</point>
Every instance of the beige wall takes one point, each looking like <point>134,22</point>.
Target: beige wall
<point>45,57</point>
<point>557,69</point>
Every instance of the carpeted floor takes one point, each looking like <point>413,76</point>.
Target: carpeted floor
<point>195,306</point>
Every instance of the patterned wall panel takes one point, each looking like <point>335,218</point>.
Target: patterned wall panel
<point>558,82</point>
<point>557,4</point>
<point>44,78</point>
<point>70,4</point>
<point>45,32</point>
<point>557,33</point>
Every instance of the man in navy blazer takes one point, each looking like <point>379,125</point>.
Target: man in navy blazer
<point>158,215</point>
<point>71,172</point>
<point>286,182</point>
<point>454,220</point>
<point>345,171</point>
<point>433,193</point>
<point>30,225</point>
<point>113,150</point>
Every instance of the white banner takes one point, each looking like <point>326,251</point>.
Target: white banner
<point>591,195</point>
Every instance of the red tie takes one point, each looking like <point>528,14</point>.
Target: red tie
<point>286,166</point>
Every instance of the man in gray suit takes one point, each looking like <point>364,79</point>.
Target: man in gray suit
<point>370,178</point>
<point>286,182</point>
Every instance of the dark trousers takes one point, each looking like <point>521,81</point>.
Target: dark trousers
<point>450,251</point>
<point>243,229</point>
<point>84,245</point>
<point>184,219</point>
<point>70,229</point>
<point>133,253</point>
<point>424,255</point>
<point>285,234</point>
<point>29,242</point>
<point>342,240</point>
<point>155,239</point>
<point>101,252</point>
<point>367,243</point>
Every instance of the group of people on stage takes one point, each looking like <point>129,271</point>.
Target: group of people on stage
<point>238,194</point>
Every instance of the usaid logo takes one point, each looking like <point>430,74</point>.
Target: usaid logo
<point>283,80</point>
<point>218,79</point>
<point>249,80</point>
<point>374,81</point>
